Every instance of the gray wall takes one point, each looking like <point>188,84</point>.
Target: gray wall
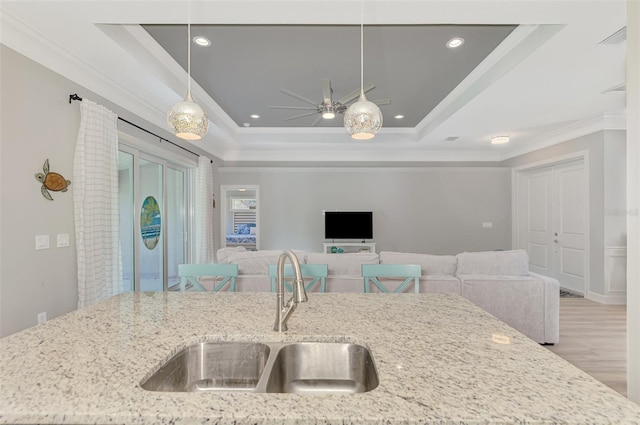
<point>607,176</point>
<point>436,210</point>
<point>615,189</point>
<point>39,123</point>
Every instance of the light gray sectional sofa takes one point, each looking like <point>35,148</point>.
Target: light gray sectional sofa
<point>497,281</point>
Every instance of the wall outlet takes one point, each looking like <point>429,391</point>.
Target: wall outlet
<point>42,317</point>
<point>42,242</point>
<point>62,240</point>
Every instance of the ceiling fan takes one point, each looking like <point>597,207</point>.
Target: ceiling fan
<point>328,108</point>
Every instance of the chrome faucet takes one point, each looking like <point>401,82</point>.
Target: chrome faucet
<point>284,311</point>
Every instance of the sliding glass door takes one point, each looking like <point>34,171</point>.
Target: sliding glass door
<point>176,223</point>
<point>152,221</point>
<point>153,227</point>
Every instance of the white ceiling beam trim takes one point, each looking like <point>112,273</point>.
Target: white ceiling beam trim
<point>31,43</point>
<point>145,50</point>
<point>358,156</point>
<point>569,132</point>
<point>514,49</point>
<point>349,169</point>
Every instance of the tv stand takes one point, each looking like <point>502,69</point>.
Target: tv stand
<point>350,246</point>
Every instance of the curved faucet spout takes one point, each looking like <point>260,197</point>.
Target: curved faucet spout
<point>284,311</point>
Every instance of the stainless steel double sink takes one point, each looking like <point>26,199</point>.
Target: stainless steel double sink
<point>267,367</point>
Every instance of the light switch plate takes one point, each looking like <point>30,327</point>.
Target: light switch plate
<point>42,242</point>
<point>62,240</point>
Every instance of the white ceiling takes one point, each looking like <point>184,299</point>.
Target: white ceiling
<point>543,84</point>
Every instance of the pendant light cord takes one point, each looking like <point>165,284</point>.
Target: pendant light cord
<point>189,48</point>
<point>362,48</point>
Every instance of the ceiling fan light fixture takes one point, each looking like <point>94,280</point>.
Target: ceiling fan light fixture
<point>187,119</point>
<point>328,112</point>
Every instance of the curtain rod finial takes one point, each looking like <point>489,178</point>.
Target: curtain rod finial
<point>74,97</point>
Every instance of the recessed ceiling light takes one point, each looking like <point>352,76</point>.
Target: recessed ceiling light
<point>254,116</point>
<point>455,42</point>
<point>201,40</point>
<point>399,116</point>
<point>242,189</point>
<point>499,140</point>
<point>246,124</point>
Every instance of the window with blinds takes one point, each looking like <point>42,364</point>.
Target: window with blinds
<point>243,217</point>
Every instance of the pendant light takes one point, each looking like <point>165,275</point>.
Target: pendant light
<point>187,119</point>
<point>363,119</point>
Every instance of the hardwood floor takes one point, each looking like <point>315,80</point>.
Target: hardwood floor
<point>593,337</point>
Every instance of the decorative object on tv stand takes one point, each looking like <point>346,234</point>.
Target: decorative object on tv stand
<point>363,119</point>
<point>51,181</point>
<point>187,119</point>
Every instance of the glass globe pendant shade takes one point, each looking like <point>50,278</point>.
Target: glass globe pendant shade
<point>187,119</point>
<point>363,119</point>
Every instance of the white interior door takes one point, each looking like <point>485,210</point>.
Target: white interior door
<point>570,222</point>
<point>535,219</point>
<point>552,222</point>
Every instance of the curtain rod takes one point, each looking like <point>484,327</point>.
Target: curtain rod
<point>79,99</point>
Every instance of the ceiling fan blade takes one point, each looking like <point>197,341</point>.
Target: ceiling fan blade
<point>315,108</point>
<point>327,91</point>
<point>354,94</point>
<point>297,96</point>
<point>382,101</point>
<point>313,124</point>
<point>299,116</point>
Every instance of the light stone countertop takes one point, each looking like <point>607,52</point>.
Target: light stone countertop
<point>436,358</point>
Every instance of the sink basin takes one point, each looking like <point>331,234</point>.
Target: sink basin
<point>321,368</point>
<point>303,368</point>
<point>212,366</point>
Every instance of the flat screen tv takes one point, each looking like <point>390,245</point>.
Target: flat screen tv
<point>348,225</point>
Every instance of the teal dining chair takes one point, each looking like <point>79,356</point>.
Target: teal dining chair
<point>190,273</point>
<point>371,273</point>
<point>316,272</point>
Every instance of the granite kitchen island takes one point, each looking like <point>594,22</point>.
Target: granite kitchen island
<point>439,358</point>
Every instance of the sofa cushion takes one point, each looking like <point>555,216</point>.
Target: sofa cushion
<point>223,253</point>
<point>349,264</point>
<point>493,263</point>
<point>257,262</point>
<point>430,264</point>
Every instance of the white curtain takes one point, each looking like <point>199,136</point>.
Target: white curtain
<point>95,201</point>
<point>204,247</point>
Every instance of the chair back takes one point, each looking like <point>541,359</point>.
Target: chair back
<point>371,273</point>
<point>190,273</point>
<point>316,272</point>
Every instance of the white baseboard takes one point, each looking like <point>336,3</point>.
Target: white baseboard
<point>617,299</point>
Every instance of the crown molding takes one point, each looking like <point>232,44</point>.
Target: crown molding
<point>569,132</point>
<point>336,156</point>
<point>351,169</point>
<point>34,45</point>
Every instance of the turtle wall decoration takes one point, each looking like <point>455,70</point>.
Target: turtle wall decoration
<point>51,181</point>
